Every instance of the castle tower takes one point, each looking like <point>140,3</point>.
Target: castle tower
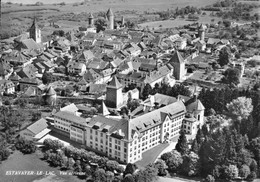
<point>91,20</point>
<point>110,16</point>
<point>178,63</point>
<point>114,96</point>
<point>201,32</point>
<point>50,96</point>
<point>35,32</point>
<point>122,21</point>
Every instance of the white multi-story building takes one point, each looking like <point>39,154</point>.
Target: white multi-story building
<point>123,139</point>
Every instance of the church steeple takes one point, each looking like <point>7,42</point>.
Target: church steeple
<point>110,16</point>
<point>91,20</point>
<point>35,32</point>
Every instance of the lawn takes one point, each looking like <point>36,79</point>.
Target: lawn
<point>32,162</point>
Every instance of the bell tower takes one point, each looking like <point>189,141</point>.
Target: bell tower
<point>35,32</point>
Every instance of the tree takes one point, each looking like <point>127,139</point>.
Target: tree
<point>182,145</point>
<point>210,178</point>
<point>52,144</point>
<point>149,174</point>
<point>100,24</point>
<point>161,166</point>
<point>4,153</point>
<point>130,169</point>
<point>60,33</point>
<point>173,160</point>
<point>244,171</point>
<point>25,146</point>
<point>100,175</point>
<point>191,164</point>
<point>241,107</point>
<point>147,90</point>
<point>46,77</point>
<point>133,104</point>
<point>223,56</point>
<point>112,165</point>
<point>230,172</point>
<point>71,163</point>
<point>128,178</point>
<point>231,76</point>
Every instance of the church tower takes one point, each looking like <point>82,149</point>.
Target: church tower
<point>35,32</point>
<point>201,32</point>
<point>91,20</point>
<point>110,16</point>
<point>114,96</point>
<point>178,64</point>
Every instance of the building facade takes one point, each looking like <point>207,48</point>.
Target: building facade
<point>123,139</point>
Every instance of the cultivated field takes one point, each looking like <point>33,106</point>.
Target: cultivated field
<point>18,17</point>
<point>178,22</point>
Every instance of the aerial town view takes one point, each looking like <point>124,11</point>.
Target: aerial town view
<point>129,90</point>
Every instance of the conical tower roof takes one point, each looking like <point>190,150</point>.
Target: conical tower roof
<point>115,83</point>
<point>35,24</point>
<point>103,109</point>
<point>91,16</point>
<point>177,58</point>
<point>110,12</point>
<point>50,91</point>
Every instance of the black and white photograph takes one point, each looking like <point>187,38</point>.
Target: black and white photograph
<point>129,91</point>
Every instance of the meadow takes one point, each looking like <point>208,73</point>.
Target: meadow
<point>18,17</point>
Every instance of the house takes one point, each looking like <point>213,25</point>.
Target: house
<point>7,87</point>
<point>27,72</point>
<point>25,83</point>
<point>75,67</point>
<point>126,68</point>
<point>6,69</point>
<point>36,131</point>
<point>92,76</point>
<point>86,56</point>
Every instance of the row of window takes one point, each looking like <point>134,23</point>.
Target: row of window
<point>62,128</point>
<point>61,123</point>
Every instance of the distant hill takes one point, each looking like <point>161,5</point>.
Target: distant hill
<point>44,1</point>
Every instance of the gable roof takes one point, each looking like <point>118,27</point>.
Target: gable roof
<point>38,126</point>
<point>155,117</point>
<point>70,108</point>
